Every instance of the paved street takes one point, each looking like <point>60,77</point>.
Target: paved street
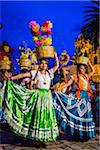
<point>10,141</point>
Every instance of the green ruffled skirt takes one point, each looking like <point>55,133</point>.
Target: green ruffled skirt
<point>30,113</point>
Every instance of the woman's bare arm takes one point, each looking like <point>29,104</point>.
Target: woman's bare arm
<point>57,63</point>
<point>66,84</point>
<point>64,69</point>
<point>92,68</point>
<point>21,75</point>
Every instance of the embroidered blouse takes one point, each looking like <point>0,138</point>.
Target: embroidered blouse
<point>83,82</point>
<point>43,80</point>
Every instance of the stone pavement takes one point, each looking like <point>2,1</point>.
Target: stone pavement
<point>10,141</point>
<point>61,145</point>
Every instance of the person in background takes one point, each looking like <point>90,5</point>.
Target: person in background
<point>4,74</point>
<point>24,82</point>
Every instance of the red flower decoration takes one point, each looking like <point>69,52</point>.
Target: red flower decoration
<point>11,49</point>
<point>10,58</point>
<point>2,54</point>
<point>1,57</point>
<point>37,33</point>
<point>49,32</point>
<point>45,24</point>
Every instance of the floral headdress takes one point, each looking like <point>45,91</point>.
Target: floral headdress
<point>24,60</point>
<point>83,48</point>
<point>5,50</point>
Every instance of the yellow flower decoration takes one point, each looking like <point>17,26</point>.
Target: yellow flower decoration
<point>35,38</point>
<point>36,28</point>
<point>24,56</point>
<point>43,29</point>
<point>83,50</point>
<point>87,49</point>
<point>50,24</point>
<point>43,41</point>
<point>6,58</point>
<point>6,48</point>
<point>48,41</point>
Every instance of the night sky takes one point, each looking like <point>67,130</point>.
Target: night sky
<point>67,18</point>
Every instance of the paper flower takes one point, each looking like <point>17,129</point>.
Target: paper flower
<point>44,37</point>
<point>37,33</point>
<point>48,41</point>
<point>2,54</point>
<point>34,26</point>
<point>83,46</point>
<point>10,58</point>
<point>32,23</point>
<point>39,37</point>
<point>46,27</point>
<point>6,58</point>
<point>38,43</point>
<point>6,48</point>
<point>50,24</point>
<point>35,38</point>
<point>24,56</point>
<point>83,50</point>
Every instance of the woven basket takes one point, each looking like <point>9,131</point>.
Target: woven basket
<point>82,60</point>
<point>5,64</point>
<point>25,63</point>
<point>45,52</point>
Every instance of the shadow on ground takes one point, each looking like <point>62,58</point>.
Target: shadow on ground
<point>8,137</point>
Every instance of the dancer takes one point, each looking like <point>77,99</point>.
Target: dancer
<point>25,82</point>
<point>63,72</point>
<point>4,74</point>
<point>30,113</point>
<point>74,110</point>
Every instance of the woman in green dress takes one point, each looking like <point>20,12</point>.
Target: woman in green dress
<point>30,113</point>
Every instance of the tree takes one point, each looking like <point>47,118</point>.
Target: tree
<point>91,28</point>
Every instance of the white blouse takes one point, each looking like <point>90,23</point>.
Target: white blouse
<point>43,80</point>
<point>84,82</point>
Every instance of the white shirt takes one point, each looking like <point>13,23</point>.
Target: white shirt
<point>43,80</point>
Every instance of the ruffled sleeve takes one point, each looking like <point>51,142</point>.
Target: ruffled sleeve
<point>33,73</point>
<point>51,73</point>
